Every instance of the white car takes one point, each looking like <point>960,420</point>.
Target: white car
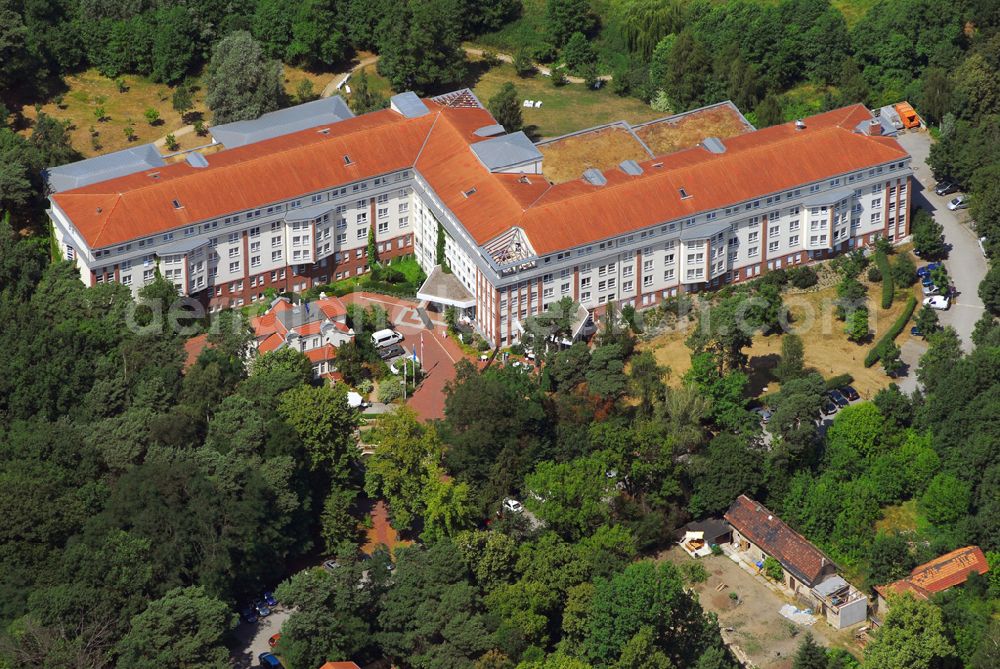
<point>512,505</point>
<point>958,202</point>
<point>937,302</point>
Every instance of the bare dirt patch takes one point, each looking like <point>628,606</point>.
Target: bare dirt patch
<point>754,625</point>
<point>667,136</point>
<point>567,158</point>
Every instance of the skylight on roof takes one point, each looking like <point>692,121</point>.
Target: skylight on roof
<point>347,160</point>
<point>177,204</point>
<point>684,193</point>
<point>470,192</point>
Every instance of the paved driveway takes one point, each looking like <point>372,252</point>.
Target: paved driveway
<point>438,354</point>
<point>966,264</point>
<point>251,639</point>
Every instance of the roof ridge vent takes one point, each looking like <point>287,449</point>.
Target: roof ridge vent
<point>713,145</point>
<point>630,167</point>
<point>324,131</point>
<point>195,159</point>
<point>594,177</point>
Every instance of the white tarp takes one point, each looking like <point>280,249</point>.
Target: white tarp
<point>354,400</point>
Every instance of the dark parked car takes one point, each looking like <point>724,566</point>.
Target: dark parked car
<point>926,270</point>
<point>390,352</point>
<point>850,393</point>
<point>829,408</point>
<point>248,615</point>
<point>262,609</point>
<point>838,398</point>
<point>269,599</point>
<point>916,332</point>
<point>269,660</point>
<point>945,188</point>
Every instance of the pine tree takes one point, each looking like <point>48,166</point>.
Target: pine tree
<point>372,249</point>
<point>810,655</point>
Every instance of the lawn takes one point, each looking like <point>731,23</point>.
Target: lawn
<point>564,109</point>
<point>88,90</point>
<point>827,349</point>
<point>853,10</point>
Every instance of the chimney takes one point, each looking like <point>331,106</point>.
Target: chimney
<point>874,127</point>
<point>800,124</point>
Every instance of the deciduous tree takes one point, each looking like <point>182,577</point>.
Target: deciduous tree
<point>242,83</point>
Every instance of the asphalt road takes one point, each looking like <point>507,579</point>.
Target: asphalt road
<point>966,263</point>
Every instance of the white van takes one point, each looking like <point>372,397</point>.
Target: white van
<point>386,338</point>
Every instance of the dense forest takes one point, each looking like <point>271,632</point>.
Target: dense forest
<point>143,500</point>
<point>145,504</point>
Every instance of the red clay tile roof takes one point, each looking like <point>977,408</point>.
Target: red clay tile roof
<point>332,306</point>
<point>193,348</point>
<point>939,574</point>
<point>325,352</point>
<point>271,343</point>
<point>437,145</point>
<point>340,665</point>
<point>774,537</point>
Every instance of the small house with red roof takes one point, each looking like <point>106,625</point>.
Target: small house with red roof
<point>938,575</point>
<point>806,571</point>
<point>315,329</point>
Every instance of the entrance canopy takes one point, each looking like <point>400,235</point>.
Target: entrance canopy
<point>446,289</point>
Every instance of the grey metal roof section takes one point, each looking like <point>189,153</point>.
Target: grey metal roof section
<point>308,213</point>
<point>489,130</point>
<point>506,151</point>
<point>102,168</point>
<point>714,145</point>
<point>408,104</point>
<point>703,231</point>
<point>830,586</point>
<point>828,197</point>
<point>630,167</point>
<point>594,176</point>
<point>299,315</point>
<point>195,159</point>
<point>182,246</point>
<point>282,122</point>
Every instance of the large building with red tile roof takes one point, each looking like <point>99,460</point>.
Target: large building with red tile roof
<point>938,575</point>
<point>290,199</point>
<point>315,329</point>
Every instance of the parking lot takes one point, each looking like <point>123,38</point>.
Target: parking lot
<point>965,262</point>
<point>250,639</point>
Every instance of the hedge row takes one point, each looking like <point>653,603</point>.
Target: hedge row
<point>876,351</point>
<point>887,288</point>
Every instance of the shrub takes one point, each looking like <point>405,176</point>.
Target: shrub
<point>772,569</point>
<point>888,288</point>
<point>389,390</point>
<point>874,274</point>
<point>693,572</point>
<point>889,337</point>
<point>839,381</point>
<point>172,143</point>
<point>776,277</point>
<point>523,64</point>
<point>803,277</point>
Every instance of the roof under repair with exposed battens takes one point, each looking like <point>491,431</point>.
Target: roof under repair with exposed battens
<point>443,146</point>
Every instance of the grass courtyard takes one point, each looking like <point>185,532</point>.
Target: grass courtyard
<point>827,349</point>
